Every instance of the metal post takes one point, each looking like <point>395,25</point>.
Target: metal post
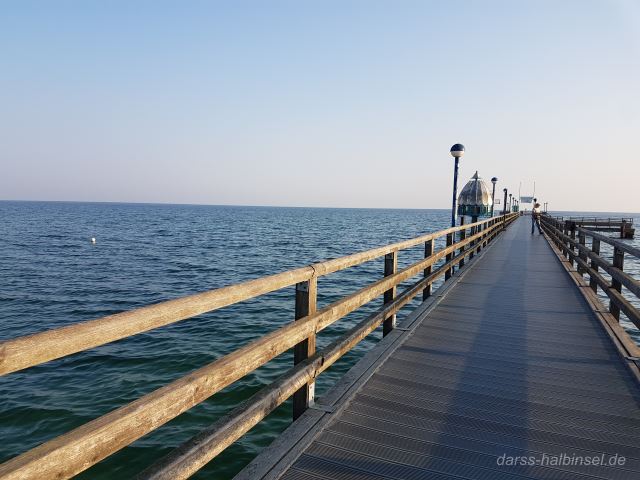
<point>455,192</point>
<point>504,207</point>
<point>494,180</point>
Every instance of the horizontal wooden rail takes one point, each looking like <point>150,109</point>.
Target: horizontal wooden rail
<point>578,252</point>
<point>625,247</point>
<point>192,455</point>
<point>77,450</point>
<point>27,351</point>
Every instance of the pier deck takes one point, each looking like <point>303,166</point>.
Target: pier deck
<point>509,360</point>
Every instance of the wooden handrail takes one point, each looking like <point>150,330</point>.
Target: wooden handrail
<point>625,247</point>
<point>30,350</point>
<point>613,290</point>
<point>78,449</point>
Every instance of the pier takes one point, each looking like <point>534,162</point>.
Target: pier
<point>514,356</point>
<point>621,225</point>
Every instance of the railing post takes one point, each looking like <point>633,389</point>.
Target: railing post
<point>485,237</point>
<point>428,251</point>
<point>595,248</point>
<point>582,239</point>
<point>306,304</point>
<point>472,232</point>
<point>618,262</point>
<point>462,236</point>
<point>448,257</point>
<point>573,237</point>
<point>390,267</point>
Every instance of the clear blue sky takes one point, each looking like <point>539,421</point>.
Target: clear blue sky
<point>326,103</point>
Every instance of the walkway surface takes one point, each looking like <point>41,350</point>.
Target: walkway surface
<point>511,366</point>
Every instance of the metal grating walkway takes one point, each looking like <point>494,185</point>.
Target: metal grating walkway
<point>510,364</point>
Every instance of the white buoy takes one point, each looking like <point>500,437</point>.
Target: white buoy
<point>93,240</point>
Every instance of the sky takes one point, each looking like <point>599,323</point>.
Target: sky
<point>319,103</point>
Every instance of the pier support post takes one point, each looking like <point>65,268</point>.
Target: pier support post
<point>428,251</point>
<point>565,244</point>
<point>582,240</point>
<point>595,248</point>
<point>572,229</point>
<point>390,267</point>
<point>306,304</point>
<point>463,235</point>
<point>618,262</point>
<point>474,230</point>
<point>448,272</point>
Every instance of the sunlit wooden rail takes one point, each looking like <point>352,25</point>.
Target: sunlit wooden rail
<point>77,450</point>
<point>516,358</point>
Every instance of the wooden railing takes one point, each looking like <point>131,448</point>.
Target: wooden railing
<point>77,450</point>
<point>571,239</point>
<point>622,225</point>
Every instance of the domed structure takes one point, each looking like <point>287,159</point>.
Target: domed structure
<point>475,198</point>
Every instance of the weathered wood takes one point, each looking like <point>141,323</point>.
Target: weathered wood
<point>390,267</point>
<point>625,247</point>
<point>618,262</point>
<point>462,234</point>
<point>306,304</point>
<point>366,439</point>
<point>78,449</point>
<point>428,251</point>
<point>185,460</point>
<point>23,352</point>
<point>617,302</point>
<point>449,271</point>
<point>572,231</point>
<point>616,273</point>
<point>582,239</point>
<point>595,249</point>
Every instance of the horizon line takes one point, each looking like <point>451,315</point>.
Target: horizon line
<point>112,202</point>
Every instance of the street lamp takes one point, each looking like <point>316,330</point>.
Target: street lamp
<point>504,207</point>
<point>510,203</point>
<point>494,180</point>
<point>456,152</point>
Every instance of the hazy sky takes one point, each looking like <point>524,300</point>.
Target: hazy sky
<point>325,103</point>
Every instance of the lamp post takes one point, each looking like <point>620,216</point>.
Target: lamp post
<point>504,206</point>
<point>494,180</point>
<point>510,202</point>
<point>456,152</point>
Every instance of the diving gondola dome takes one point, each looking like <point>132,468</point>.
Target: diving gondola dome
<point>475,198</point>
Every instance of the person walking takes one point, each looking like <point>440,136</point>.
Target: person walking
<point>535,216</point>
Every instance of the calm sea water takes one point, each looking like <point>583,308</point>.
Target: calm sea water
<point>53,276</point>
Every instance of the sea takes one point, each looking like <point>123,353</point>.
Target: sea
<point>54,275</point>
